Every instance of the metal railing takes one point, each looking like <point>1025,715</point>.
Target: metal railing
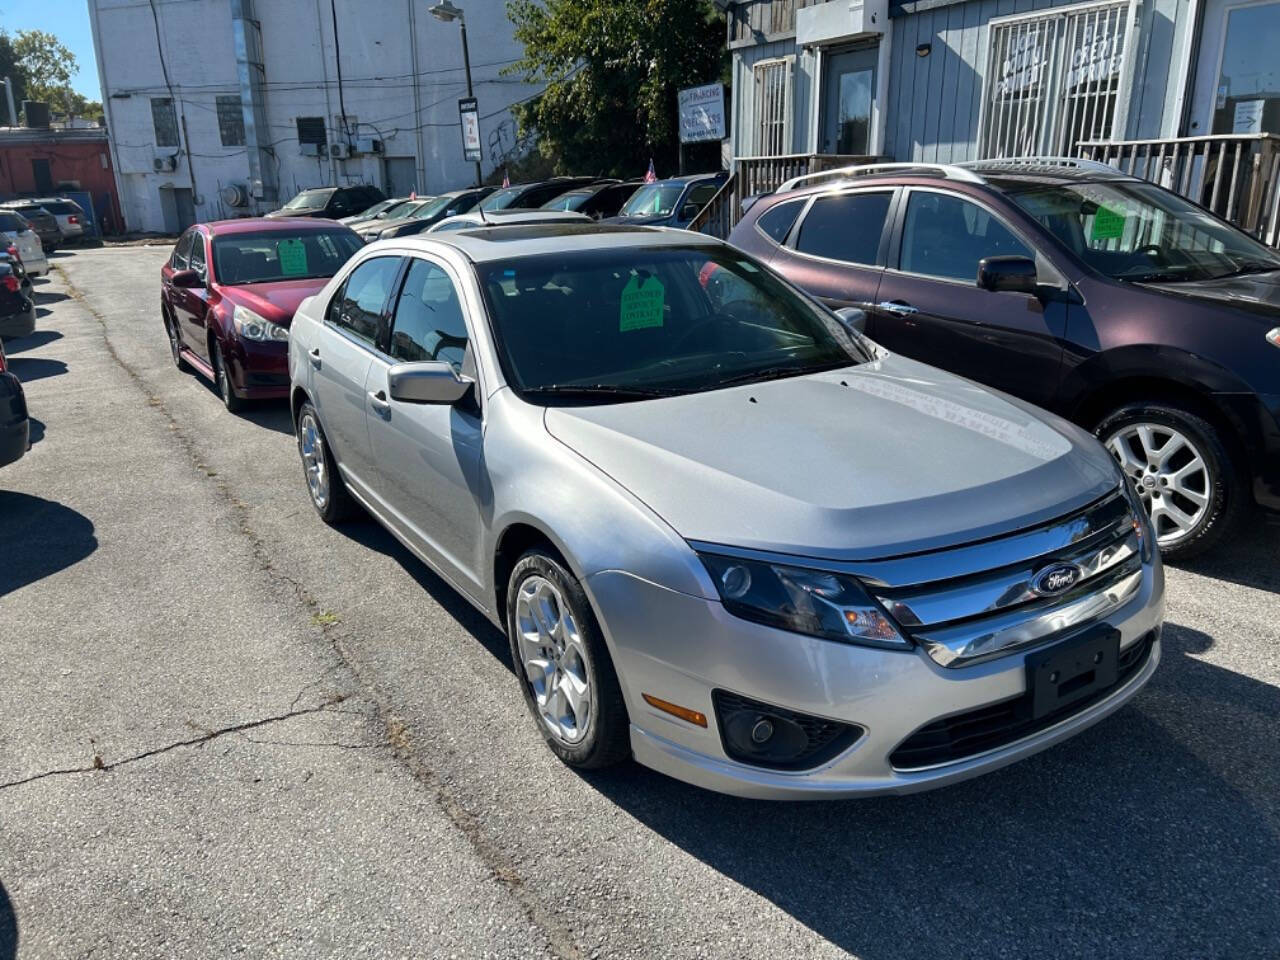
<point>756,175</point>
<point>1237,176</point>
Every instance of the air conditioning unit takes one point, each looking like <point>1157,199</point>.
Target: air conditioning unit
<point>311,149</point>
<point>370,145</point>
<point>165,164</point>
<point>339,151</point>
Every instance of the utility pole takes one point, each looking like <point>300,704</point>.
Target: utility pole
<point>446,11</point>
<point>8,93</point>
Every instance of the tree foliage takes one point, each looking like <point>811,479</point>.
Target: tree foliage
<point>41,68</point>
<point>612,69</point>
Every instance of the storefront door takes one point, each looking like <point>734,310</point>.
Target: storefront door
<point>848,92</point>
<point>1237,87</point>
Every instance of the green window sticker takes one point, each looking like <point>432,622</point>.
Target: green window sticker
<point>1107,225</point>
<point>642,303</point>
<point>293,257</point>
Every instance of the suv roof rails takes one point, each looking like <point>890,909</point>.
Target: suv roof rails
<point>1078,163</point>
<point>949,170</point>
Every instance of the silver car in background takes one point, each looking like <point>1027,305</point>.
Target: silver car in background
<point>724,532</point>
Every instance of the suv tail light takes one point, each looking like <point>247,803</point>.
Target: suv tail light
<point>11,283</point>
<point>12,251</point>
<point>73,219</point>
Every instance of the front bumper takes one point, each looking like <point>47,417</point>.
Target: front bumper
<point>259,371</point>
<point>681,648</point>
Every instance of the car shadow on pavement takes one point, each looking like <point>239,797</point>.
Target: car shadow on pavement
<point>1153,834</point>
<point>269,414</point>
<point>36,431</point>
<point>37,339</point>
<point>39,537</point>
<point>8,927</point>
<point>44,299</point>
<point>1248,559</point>
<point>28,369</point>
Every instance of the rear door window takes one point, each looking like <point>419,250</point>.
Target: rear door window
<point>845,226</point>
<point>360,307</point>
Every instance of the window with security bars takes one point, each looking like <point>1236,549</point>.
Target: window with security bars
<point>772,107</point>
<point>230,121</point>
<point>165,120</point>
<point>1054,80</point>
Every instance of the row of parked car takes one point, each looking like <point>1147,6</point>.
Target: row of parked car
<point>788,516</point>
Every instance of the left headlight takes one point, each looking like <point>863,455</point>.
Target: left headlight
<point>833,606</point>
<point>252,326</point>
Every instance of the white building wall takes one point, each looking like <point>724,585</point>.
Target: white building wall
<point>378,90</point>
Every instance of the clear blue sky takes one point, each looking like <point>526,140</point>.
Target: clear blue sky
<point>68,20</point>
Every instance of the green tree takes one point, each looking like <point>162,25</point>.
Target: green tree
<point>11,68</point>
<point>612,69</point>
<point>46,67</point>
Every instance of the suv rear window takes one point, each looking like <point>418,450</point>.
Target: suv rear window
<point>62,208</point>
<point>845,227</point>
<point>12,223</point>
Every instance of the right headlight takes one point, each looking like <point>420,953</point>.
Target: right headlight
<point>252,326</point>
<point>817,603</point>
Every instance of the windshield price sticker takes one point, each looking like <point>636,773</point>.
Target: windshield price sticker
<point>642,303</point>
<point>293,257</point>
<point>1107,224</point>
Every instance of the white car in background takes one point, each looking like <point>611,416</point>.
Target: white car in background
<point>505,218</point>
<point>68,213</point>
<point>16,232</point>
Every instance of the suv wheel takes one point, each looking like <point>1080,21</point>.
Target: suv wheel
<point>1187,481</point>
<point>328,491</point>
<point>230,399</point>
<point>564,666</point>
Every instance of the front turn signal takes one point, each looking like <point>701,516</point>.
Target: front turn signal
<point>684,713</point>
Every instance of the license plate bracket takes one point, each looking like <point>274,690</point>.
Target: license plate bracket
<point>1073,670</point>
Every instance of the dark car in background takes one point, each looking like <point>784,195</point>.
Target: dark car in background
<point>17,311</point>
<point>44,223</point>
<point>425,215</point>
<point>331,202</point>
<point>229,291</point>
<point>596,201</point>
<point>529,195</point>
<point>1106,299</point>
<point>15,426</point>
<point>374,211</point>
<point>670,203</point>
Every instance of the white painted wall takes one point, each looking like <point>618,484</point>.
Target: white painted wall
<point>298,49</point>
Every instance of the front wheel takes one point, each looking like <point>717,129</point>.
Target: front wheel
<point>175,346</point>
<point>226,389</point>
<point>328,491</point>
<point>1186,479</point>
<point>564,667</point>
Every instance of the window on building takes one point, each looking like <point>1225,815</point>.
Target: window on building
<point>311,130</point>
<point>945,236</point>
<point>1053,81</point>
<point>772,120</point>
<point>230,121</point>
<point>165,120</point>
<point>845,227</point>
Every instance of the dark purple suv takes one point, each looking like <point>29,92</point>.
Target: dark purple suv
<point>1104,298</point>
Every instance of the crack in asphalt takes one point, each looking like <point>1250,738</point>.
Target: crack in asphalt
<point>396,734</point>
<point>100,765</point>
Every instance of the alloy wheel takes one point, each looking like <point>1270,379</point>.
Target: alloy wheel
<point>224,381</point>
<point>1170,474</point>
<point>555,660</point>
<point>311,445</point>
<point>174,345</point>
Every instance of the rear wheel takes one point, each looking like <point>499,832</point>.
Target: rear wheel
<point>328,491</point>
<point>564,667</point>
<point>1191,488</point>
<point>226,389</point>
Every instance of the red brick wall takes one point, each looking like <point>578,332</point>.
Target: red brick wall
<point>76,160</point>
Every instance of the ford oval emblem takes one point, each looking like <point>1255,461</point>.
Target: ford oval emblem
<point>1057,579</point>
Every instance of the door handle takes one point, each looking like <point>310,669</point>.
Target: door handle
<point>379,401</point>
<point>314,357</point>
<point>897,308</point>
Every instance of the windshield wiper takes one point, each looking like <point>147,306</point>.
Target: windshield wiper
<point>1252,266</point>
<point>599,390</point>
<point>777,373</point>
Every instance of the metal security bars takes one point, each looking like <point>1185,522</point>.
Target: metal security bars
<point>1056,79</point>
<point>773,106</point>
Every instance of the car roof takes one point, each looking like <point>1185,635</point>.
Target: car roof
<point>272,225</point>
<point>690,178</point>
<point>484,244</point>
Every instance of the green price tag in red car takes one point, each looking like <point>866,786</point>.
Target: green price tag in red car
<point>293,257</point>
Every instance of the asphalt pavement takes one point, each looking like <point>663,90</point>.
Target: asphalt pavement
<point>227,728</point>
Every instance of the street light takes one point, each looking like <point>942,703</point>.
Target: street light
<point>446,12</point>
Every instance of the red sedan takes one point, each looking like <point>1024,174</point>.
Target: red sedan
<point>229,291</point>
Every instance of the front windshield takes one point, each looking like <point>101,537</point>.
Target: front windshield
<point>394,209</point>
<point>500,199</point>
<point>309,200</point>
<point>431,208</point>
<point>653,200</point>
<point>626,324</point>
<point>1136,231</point>
<point>241,258</point>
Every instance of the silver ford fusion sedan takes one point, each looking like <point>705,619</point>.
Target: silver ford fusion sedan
<point>724,532</point>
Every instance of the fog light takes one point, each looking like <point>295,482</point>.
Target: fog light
<point>762,731</point>
<point>767,736</point>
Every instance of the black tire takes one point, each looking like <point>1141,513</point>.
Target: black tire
<point>222,380</point>
<point>1228,494</point>
<point>174,342</point>
<point>338,504</point>
<point>607,739</point>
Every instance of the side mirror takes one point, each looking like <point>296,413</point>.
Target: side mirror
<point>853,318</point>
<point>432,381</point>
<point>689,211</point>
<point>187,280</point>
<point>1007,274</point>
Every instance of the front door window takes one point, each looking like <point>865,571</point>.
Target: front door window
<point>849,92</point>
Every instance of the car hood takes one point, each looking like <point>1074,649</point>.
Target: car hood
<point>1254,292</point>
<point>866,462</point>
<point>276,301</point>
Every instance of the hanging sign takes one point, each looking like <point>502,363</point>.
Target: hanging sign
<point>470,117</point>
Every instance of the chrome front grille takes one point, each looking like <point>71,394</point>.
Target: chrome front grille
<point>976,602</point>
